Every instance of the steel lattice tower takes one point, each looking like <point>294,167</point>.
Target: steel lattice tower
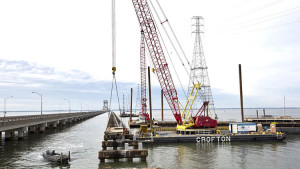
<point>198,70</point>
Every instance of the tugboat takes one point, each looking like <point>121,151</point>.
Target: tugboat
<point>55,157</point>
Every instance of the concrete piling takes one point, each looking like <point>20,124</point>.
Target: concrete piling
<point>12,134</point>
<point>7,135</point>
<point>42,128</point>
<point>47,125</point>
<point>21,133</point>
<point>54,124</point>
<point>62,122</point>
<point>31,129</point>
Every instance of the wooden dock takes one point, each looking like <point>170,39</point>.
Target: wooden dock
<point>283,124</point>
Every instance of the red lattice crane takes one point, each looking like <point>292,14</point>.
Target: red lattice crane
<point>157,55</point>
<point>143,77</point>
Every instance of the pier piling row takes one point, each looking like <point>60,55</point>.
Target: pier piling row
<point>116,135</point>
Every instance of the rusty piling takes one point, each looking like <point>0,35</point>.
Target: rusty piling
<point>241,93</point>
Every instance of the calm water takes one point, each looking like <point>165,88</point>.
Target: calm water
<point>84,141</point>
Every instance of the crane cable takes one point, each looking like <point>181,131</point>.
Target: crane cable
<point>114,80</point>
<point>163,42</point>
<point>162,23</point>
<point>174,35</point>
<point>114,60</point>
<point>166,20</point>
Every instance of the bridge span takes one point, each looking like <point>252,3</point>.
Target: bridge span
<point>33,123</point>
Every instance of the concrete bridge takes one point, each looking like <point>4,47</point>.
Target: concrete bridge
<point>39,123</point>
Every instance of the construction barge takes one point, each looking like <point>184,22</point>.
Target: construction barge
<point>236,132</point>
<point>172,137</point>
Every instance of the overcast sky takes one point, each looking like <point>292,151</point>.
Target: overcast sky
<point>62,49</point>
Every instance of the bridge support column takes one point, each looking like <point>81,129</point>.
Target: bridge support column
<point>21,133</point>
<point>7,135</point>
<point>31,129</point>
<point>63,122</point>
<point>47,126</point>
<point>13,134</point>
<point>54,124</point>
<point>42,128</point>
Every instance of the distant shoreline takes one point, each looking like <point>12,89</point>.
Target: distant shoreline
<point>152,109</point>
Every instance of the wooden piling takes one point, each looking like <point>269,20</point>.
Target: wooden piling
<point>150,101</point>
<point>131,107</point>
<point>256,113</point>
<point>162,105</point>
<point>264,113</point>
<point>117,154</point>
<point>119,143</point>
<point>241,93</point>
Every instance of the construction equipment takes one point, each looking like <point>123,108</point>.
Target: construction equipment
<point>157,55</point>
<point>149,35</point>
<point>144,114</point>
<point>201,119</point>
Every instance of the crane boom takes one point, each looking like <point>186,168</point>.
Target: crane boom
<point>143,77</point>
<point>157,55</point>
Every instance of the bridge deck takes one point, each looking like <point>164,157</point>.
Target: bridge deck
<point>15,122</point>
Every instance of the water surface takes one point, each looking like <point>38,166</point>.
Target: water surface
<point>84,141</point>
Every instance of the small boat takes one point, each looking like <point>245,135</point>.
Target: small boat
<point>55,157</point>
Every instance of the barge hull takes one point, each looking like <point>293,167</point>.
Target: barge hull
<point>213,138</point>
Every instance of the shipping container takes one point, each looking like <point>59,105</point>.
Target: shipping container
<point>242,127</point>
